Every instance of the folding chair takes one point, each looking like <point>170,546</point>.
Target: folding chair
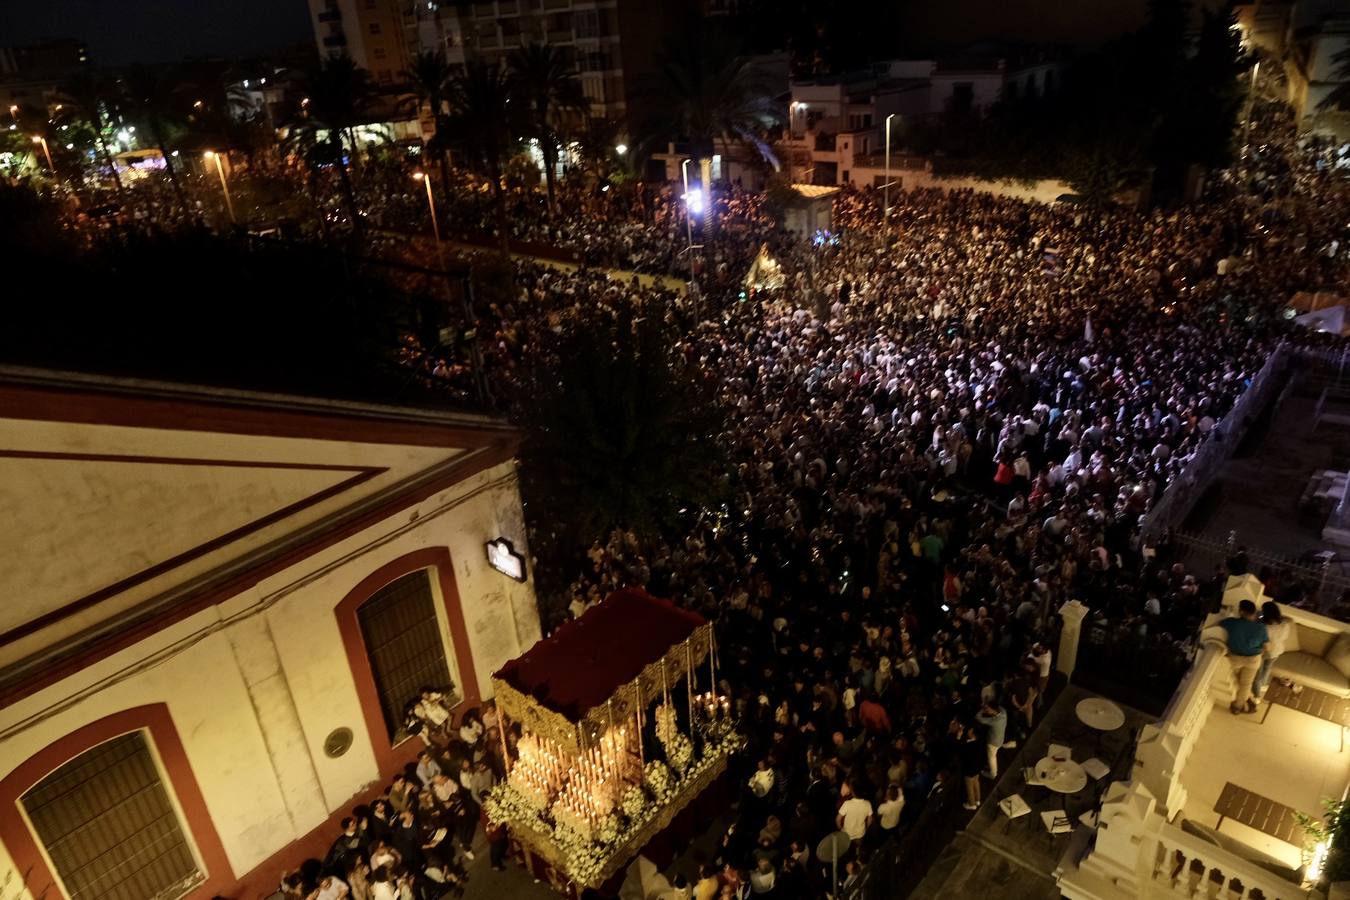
<point>1056,822</point>
<point>1096,769</point>
<point>1013,807</point>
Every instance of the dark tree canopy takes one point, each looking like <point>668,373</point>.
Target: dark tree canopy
<point>201,309</point>
<point>621,431</point>
<point>1148,104</point>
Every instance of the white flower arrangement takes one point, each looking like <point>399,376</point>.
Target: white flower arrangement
<point>633,802</point>
<point>585,853</point>
<point>656,775</point>
<point>608,832</point>
<point>680,752</point>
<point>505,804</point>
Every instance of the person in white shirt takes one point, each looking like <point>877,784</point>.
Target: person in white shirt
<point>331,888</point>
<point>470,731</point>
<point>762,781</point>
<point>888,813</point>
<point>763,877</point>
<point>382,886</point>
<point>855,815</point>
<point>1278,629</point>
<point>1041,654</point>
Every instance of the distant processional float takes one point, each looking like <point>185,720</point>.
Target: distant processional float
<point>615,736</point>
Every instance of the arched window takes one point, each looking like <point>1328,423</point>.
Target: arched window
<point>404,644</point>
<point>400,635</point>
<point>109,826</point>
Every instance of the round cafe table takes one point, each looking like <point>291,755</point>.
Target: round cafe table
<point>1099,714</point>
<point>1063,776</point>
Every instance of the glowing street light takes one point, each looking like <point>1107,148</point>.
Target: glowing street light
<point>38,139</point>
<point>224,185</point>
<point>621,149</point>
<point>693,206</point>
<point>886,201</point>
<point>431,205</point>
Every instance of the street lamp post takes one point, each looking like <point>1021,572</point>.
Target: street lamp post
<point>431,205</point>
<point>224,185</point>
<point>689,235</point>
<point>886,187</point>
<point>38,139</point>
<point>1251,109</point>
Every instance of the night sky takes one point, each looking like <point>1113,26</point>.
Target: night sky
<point>124,31</point>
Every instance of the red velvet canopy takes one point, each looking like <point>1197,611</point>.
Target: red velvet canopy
<point>580,665</point>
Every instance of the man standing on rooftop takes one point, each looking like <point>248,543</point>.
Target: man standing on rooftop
<point>1247,642</point>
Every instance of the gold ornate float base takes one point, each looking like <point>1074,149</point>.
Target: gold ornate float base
<point>541,844</point>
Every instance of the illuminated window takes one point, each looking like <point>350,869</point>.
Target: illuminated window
<point>109,827</point>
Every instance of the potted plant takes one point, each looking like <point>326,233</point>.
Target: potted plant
<point>1326,852</point>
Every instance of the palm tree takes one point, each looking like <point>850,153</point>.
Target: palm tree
<point>704,90</point>
<point>86,93</point>
<point>549,85</point>
<point>156,95</point>
<point>483,122</point>
<point>29,122</point>
<point>430,76</point>
<point>338,94</point>
<point>1339,96</point>
<point>597,145</point>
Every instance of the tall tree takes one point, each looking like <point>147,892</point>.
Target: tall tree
<point>430,76</point>
<point>86,92</point>
<point>483,122</point>
<point>338,94</point>
<point>29,122</point>
<point>547,82</point>
<point>621,432</point>
<point>705,90</point>
<point>155,94</point>
<point>1339,96</point>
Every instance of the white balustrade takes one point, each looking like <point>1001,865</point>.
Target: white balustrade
<point>1164,748</point>
<point>1191,867</point>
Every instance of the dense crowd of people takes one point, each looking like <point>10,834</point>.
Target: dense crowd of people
<point>412,840</point>
<point>940,428</point>
<point>939,434</point>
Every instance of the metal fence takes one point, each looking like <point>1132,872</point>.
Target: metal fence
<point>1321,578</point>
<point>1129,663</point>
<point>1181,495</point>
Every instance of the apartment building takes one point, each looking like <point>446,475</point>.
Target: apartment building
<point>374,33</point>
<point>32,74</point>
<point>837,122</point>
<point>1305,37</point>
<point>613,43</point>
